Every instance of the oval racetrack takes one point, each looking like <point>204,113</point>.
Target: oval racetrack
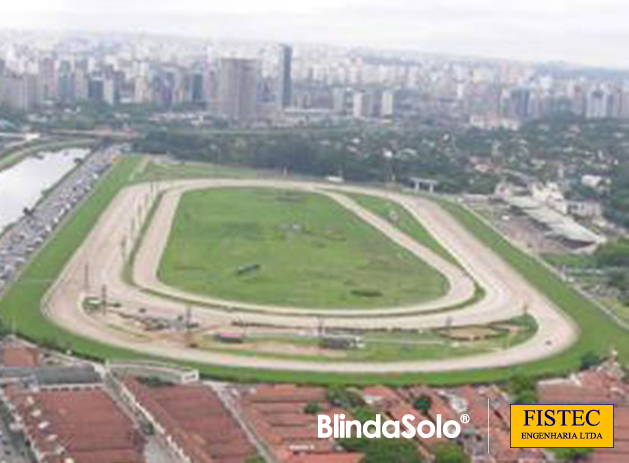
<point>106,249</point>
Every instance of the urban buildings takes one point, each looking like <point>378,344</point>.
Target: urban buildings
<point>246,83</point>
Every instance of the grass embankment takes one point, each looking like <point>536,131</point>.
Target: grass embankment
<point>21,307</point>
<point>595,279</point>
<point>271,246</point>
<point>157,171</point>
<point>402,219</point>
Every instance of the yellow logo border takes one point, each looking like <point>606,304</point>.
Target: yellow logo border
<point>511,433</point>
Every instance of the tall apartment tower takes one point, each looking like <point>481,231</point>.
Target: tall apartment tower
<point>387,104</point>
<point>21,92</point>
<point>285,82</point>
<point>238,89</point>
<point>362,105</point>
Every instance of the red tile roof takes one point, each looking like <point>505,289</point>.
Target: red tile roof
<point>278,417</point>
<point>287,393</point>
<point>17,355</point>
<point>86,423</point>
<point>195,417</point>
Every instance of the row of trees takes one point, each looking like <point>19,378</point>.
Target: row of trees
<point>613,258</point>
<point>356,155</point>
<point>617,206</point>
<point>383,155</point>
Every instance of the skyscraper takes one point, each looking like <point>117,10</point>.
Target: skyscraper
<point>19,91</point>
<point>597,104</point>
<point>362,105</point>
<point>238,89</point>
<point>196,88</point>
<point>387,106</point>
<point>48,79</point>
<point>519,103</point>
<point>285,83</point>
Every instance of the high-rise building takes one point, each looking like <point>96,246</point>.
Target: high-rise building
<point>110,92</point>
<point>362,105</point>
<point>66,88</point>
<point>21,92</point>
<point>284,82</point>
<point>597,104</point>
<point>519,103</point>
<point>387,108</point>
<point>81,83</point>
<point>195,88</point>
<point>96,89</point>
<point>238,89</point>
<point>579,101</point>
<point>624,111</point>
<point>48,79</point>
<point>339,100</point>
<point>141,90</point>
<point>615,102</point>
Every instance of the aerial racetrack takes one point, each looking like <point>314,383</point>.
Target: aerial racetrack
<point>171,271</point>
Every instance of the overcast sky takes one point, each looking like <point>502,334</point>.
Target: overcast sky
<point>592,32</point>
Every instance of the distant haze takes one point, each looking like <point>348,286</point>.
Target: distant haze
<point>590,32</point>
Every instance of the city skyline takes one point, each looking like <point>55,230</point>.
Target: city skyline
<point>584,32</point>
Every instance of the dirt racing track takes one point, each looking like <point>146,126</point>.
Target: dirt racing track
<point>106,253</point>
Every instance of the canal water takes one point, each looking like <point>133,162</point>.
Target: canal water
<point>24,184</point>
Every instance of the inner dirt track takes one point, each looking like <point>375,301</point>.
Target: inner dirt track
<point>106,252</point>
